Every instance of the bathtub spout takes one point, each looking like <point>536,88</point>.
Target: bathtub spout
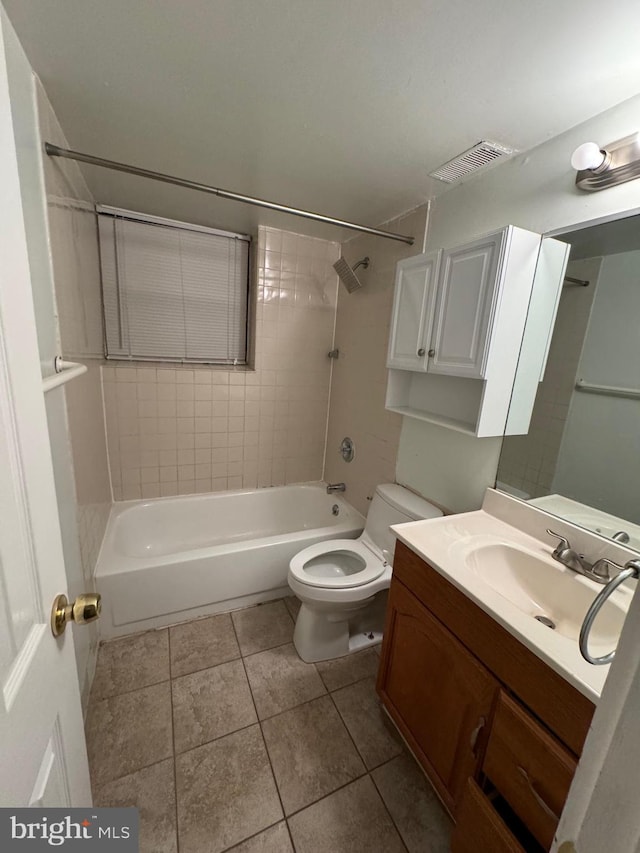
<point>336,487</point>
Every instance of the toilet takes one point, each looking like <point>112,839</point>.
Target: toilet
<point>343,583</point>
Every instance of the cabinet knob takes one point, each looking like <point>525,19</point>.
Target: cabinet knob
<point>421,351</point>
<point>432,352</point>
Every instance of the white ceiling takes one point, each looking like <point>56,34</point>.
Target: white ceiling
<point>339,106</point>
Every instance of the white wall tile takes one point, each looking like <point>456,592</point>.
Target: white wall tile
<point>228,417</point>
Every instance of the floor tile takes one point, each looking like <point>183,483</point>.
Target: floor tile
<point>293,605</point>
<point>128,732</point>
<point>210,703</point>
<point>152,792</point>
<point>311,753</point>
<point>273,840</point>
<point>131,663</point>
<point>263,627</point>
<point>362,714</point>
<point>339,672</point>
<point>352,819</point>
<point>226,792</point>
<point>280,680</point>
<point>421,819</point>
<point>202,644</point>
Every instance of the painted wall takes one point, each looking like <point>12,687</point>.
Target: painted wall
<point>359,382</point>
<point>597,464</point>
<point>177,430</point>
<point>83,512</point>
<point>536,191</point>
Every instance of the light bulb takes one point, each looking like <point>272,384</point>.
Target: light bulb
<point>587,156</point>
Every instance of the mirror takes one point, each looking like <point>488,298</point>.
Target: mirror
<point>581,457</point>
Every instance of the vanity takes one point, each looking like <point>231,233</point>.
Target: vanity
<point>494,703</point>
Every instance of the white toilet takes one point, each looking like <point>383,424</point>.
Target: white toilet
<point>343,583</point>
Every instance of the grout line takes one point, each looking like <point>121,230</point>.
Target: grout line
<point>215,739</point>
<point>131,690</point>
<point>293,707</point>
<point>204,668</point>
<point>351,738</point>
<point>348,684</point>
<point>384,802</point>
<point>255,707</point>
<point>293,846</point>
<point>173,744</point>
<point>270,649</point>
<point>133,772</point>
<point>326,796</point>
<point>369,769</point>
<point>255,835</point>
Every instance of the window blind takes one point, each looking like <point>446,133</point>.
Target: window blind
<point>171,292</point>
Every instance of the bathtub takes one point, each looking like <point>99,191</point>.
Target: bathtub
<point>170,559</point>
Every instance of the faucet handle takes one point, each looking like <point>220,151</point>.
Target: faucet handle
<point>601,568</point>
<point>563,544</point>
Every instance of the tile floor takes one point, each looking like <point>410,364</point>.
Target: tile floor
<point>225,740</point>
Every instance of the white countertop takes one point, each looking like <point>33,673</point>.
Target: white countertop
<point>444,544</point>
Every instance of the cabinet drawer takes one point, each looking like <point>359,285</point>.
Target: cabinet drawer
<point>529,767</point>
<point>479,827</point>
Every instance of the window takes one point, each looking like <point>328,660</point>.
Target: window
<point>172,291</point>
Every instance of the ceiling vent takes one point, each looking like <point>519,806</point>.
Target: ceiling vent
<point>482,154</point>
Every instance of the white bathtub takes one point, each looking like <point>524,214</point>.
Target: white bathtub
<point>170,559</point>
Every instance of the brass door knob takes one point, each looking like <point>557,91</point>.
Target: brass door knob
<point>85,608</point>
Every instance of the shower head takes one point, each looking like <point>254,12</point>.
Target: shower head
<point>347,274</point>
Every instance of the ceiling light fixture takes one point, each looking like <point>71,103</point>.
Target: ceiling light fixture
<point>599,168</point>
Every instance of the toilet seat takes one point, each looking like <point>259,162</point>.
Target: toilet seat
<point>337,564</point>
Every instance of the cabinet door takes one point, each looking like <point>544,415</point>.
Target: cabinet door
<point>412,316</point>
<point>438,694</point>
<point>467,286</point>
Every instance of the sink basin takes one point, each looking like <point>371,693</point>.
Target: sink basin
<point>541,588</point>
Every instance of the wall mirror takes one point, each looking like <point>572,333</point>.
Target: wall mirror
<point>581,457</point>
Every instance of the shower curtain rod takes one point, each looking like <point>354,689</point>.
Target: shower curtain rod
<point>55,151</point>
<point>570,281</point>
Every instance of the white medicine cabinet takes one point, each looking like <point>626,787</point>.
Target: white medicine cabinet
<point>458,325</point>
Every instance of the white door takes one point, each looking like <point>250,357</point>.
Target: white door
<point>43,757</point>
<point>466,288</point>
<point>412,316</point>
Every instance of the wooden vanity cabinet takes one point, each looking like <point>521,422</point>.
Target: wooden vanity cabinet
<point>441,694</point>
<point>495,729</point>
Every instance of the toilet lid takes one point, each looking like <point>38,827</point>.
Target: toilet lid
<point>336,563</point>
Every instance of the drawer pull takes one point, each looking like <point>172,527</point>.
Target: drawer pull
<point>536,796</point>
<point>475,734</point>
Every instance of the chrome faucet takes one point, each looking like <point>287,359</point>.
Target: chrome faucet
<point>336,487</point>
<point>598,571</point>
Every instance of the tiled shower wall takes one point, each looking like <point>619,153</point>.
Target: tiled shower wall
<point>359,383</point>
<point>175,430</point>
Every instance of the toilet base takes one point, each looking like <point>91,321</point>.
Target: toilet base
<point>324,633</point>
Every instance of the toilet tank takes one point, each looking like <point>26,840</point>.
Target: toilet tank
<point>393,504</point>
